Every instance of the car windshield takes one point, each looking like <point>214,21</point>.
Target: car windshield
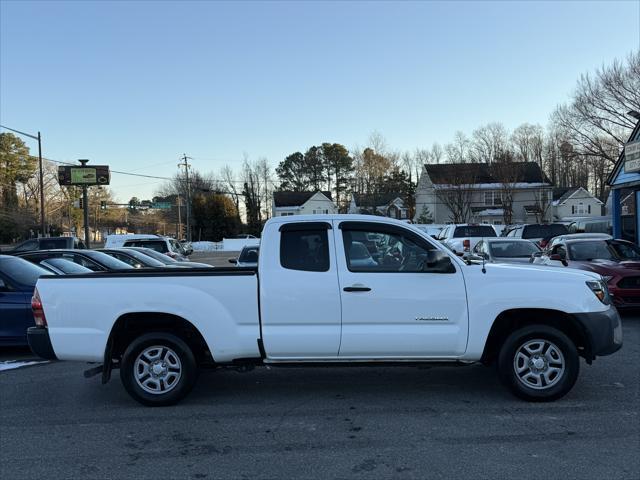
<point>544,231</point>
<point>157,245</point>
<point>21,271</point>
<point>161,257</point>
<point>626,251</point>
<point>586,251</point>
<point>474,231</point>
<point>145,259</point>
<point>106,260</point>
<point>66,266</point>
<point>512,249</point>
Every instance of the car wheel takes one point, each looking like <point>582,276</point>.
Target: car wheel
<point>539,363</point>
<point>158,369</point>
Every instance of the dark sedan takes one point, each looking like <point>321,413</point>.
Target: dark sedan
<point>94,261</point>
<point>17,281</point>
<point>618,261</point>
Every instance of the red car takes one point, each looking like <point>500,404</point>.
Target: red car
<point>618,261</point>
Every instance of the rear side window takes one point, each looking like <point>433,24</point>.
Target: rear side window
<point>26,246</point>
<point>306,250</point>
<point>474,231</point>
<point>53,243</point>
<point>544,231</point>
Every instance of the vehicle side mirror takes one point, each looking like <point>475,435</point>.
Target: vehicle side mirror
<point>188,251</point>
<point>556,257</point>
<point>233,260</point>
<point>438,262</point>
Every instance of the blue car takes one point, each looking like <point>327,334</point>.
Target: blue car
<point>17,280</point>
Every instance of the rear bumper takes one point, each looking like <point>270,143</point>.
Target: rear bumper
<point>603,330</point>
<point>40,343</point>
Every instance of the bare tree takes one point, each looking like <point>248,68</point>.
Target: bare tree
<point>457,196</point>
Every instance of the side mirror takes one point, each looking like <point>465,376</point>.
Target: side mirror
<point>438,262</point>
<point>188,251</point>
<point>233,260</point>
<point>559,258</point>
<point>476,258</point>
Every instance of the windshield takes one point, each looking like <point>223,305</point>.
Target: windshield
<point>586,251</point>
<point>65,265</point>
<point>512,249</point>
<point>145,259</point>
<point>161,257</point>
<point>474,231</point>
<point>626,251</point>
<point>107,261</point>
<point>21,271</point>
<point>544,231</point>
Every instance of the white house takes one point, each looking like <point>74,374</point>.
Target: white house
<point>575,202</point>
<point>388,205</point>
<point>302,203</point>
<point>517,192</point>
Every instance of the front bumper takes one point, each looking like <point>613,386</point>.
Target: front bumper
<point>603,331</point>
<point>40,343</point>
<point>625,297</point>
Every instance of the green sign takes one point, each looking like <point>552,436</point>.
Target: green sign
<point>162,205</point>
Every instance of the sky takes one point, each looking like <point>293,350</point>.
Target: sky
<point>134,85</point>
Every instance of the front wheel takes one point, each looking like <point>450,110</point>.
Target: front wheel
<point>158,369</point>
<point>539,363</point>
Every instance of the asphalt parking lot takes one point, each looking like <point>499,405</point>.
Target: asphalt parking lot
<point>393,422</point>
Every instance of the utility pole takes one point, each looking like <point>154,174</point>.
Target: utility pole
<point>85,201</point>
<point>186,173</point>
<point>179,204</point>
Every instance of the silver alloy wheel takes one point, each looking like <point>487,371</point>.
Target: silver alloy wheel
<point>157,369</point>
<point>539,364</point>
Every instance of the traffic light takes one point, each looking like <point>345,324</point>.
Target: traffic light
<point>103,205</point>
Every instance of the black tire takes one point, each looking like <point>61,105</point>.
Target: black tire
<point>547,383</point>
<point>172,346</point>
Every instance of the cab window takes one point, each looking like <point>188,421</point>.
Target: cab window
<point>306,250</point>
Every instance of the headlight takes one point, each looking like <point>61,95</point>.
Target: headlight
<point>599,289</point>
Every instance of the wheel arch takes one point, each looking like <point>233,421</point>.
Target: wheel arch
<point>510,320</point>
<point>130,325</point>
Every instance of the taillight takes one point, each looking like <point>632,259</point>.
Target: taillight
<point>38,311</point>
<point>466,245</point>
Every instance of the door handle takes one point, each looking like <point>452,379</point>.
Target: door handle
<point>356,288</point>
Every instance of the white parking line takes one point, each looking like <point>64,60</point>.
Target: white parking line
<point>12,364</point>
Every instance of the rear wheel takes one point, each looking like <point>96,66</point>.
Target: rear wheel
<point>539,363</point>
<point>158,369</point>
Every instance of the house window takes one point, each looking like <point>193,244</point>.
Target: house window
<point>492,198</point>
<point>321,212</point>
<point>286,214</point>
<point>581,210</point>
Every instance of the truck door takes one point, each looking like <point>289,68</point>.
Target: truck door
<point>299,295</point>
<point>392,306</point>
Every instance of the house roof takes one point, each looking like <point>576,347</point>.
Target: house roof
<point>560,194</point>
<point>446,173</point>
<point>375,200</point>
<point>295,199</point>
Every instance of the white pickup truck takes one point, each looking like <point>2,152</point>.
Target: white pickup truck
<point>329,290</point>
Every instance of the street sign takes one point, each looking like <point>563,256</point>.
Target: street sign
<point>632,157</point>
<point>94,175</point>
<point>162,205</point>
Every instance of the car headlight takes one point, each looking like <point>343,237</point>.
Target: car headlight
<point>600,290</point>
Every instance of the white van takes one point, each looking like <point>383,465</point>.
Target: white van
<point>117,241</point>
